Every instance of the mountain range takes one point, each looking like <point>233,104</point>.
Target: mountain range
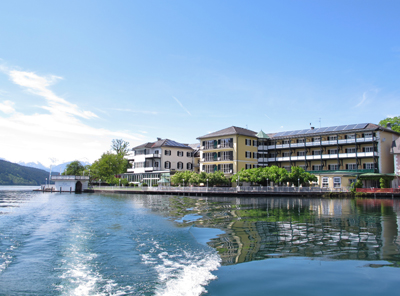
<point>56,168</point>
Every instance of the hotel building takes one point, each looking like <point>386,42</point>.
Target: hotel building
<point>228,150</point>
<point>335,154</point>
<point>154,162</point>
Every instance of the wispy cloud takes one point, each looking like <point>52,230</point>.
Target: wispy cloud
<point>364,97</point>
<point>39,85</point>
<point>182,105</point>
<point>7,107</point>
<point>58,133</point>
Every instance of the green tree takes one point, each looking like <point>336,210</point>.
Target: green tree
<point>108,166</point>
<point>119,146</point>
<point>299,174</point>
<point>74,168</point>
<point>394,121</point>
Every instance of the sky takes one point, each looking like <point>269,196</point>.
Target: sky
<point>76,74</point>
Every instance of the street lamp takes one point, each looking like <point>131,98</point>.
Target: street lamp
<point>183,182</point>
<point>207,184</point>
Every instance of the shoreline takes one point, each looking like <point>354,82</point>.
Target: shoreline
<point>246,193</point>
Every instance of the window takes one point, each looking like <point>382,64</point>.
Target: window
<point>272,155</point>
<point>247,166</point>
<point>248,154</point>
<point>288,168</point>
<point>188,154</point>
<point>368,149</point>
<point>332,138</point>
<point>369,166</point>
<point>368,135</point>
<point>351,166</point>
<point>325,182</point>
<point>351,181</point>
<point>337,182</point>
<point>189,166</point>
<point>167,152</point>
<point>316,139</point>
<point>156,164</point>
<point>254,142</point>
<point>248,142</point>
<point>349,137</point>
<point>316,167</point>
<point>316,152</point>
<point>350,150</point>
<point>332,151</point>
<point>301,153</point>
<point>179,153</point>
<point>333,167</point>
<point>285,154</point>
<point>301,140</point>
<point>167,165</point>
<point>180,165</point>
<point>156,152</point>
<point>286,142</point>
<point>227,168</point>
<point>138,165</point>
<point>254,154</point>
<point>227,155</point>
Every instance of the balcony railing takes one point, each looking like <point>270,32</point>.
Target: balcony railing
<point>152,155</point>
<point>323,156</point>
<point>323,143</point>
<point>213,147</point>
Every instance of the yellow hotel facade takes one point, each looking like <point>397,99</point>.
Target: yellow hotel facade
<point>228,150</point>
<point>337,155</point>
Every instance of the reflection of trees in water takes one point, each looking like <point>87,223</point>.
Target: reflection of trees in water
<point>338,229</point>
<point>260,228</point>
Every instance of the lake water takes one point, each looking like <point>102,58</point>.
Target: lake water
<point>111,244</point>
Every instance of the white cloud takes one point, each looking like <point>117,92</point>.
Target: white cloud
<point>7,107</point>
<point>38,85</point>
<point>364,97</point>
<point>56,134</point>
<point>182,106</point>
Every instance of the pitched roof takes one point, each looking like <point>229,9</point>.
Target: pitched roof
<point>262,135</point>
<point>361,127</point>
<point>162,143</point>
<point>233,130</point>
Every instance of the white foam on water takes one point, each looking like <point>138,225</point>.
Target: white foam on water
<point>183,273</point>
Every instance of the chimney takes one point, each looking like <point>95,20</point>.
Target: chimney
<point>312,127</point>
<point>158,139</point>
<point>389,125</point>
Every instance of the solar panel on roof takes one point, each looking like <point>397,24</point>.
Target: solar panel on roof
<point>322,129</point>
<point>361,125</point>
<point>350,127</point>
<point>331,128</point>
<point>340,128</point>
<point>302,132</point>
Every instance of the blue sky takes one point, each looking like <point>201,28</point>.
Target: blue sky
<point>76,74</point>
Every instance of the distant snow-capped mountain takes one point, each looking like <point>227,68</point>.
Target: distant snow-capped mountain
<point>56,168</point>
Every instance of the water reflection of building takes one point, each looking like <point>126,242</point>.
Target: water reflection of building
<point>336,229</point>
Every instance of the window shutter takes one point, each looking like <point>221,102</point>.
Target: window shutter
<point>347,166</point>
<point>364,166</point>
<point>219,167</point>
<point>219,141</point>
<point>362,135</point>
<point>363,149</point>
<point>345,136</point>
<point>219,154</point>
<point>204,143</point>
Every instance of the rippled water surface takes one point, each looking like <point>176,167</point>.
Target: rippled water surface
<point>92,244</point>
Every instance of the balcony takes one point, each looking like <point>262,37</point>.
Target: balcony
<point>217,159</point>
<point>214,147</point>
<point>147,169</point>
<point>323,156</point>
<point>151,155</point>
<point>323,143</point>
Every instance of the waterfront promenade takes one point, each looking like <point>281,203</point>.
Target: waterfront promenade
<point>230,191</point>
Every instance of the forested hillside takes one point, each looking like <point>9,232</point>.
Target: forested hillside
<point>15,174</point>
